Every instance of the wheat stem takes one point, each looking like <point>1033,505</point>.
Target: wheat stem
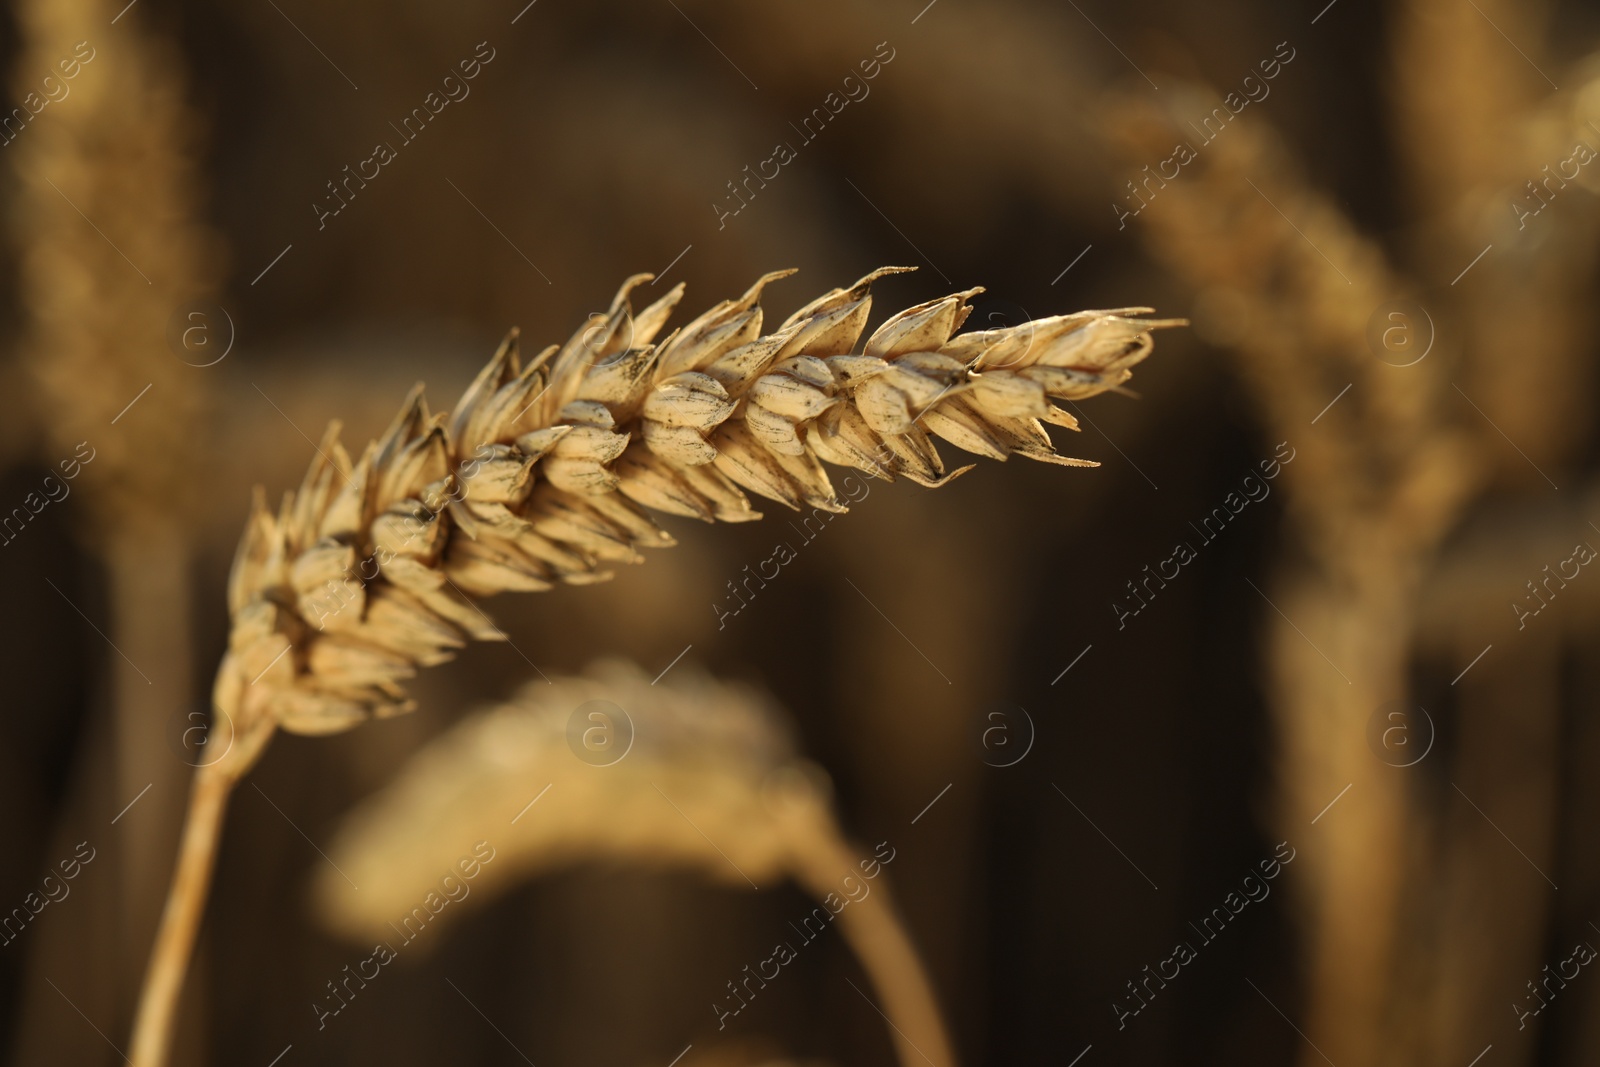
<point>241,744</point>
<point>875,934</point>
<point>180,919</point>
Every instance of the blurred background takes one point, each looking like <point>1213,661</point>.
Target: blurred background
<point>1376,666</point>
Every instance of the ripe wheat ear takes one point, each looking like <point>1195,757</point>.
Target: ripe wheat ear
<point>542,473</point>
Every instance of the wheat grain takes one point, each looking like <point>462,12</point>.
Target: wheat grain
<point>543,471</point>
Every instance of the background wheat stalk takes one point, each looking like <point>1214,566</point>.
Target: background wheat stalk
<point>542,473</point>
<point>1383,489</point>
<point>96,297</point>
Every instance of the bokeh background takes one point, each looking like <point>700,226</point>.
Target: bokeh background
<point>1372,665</point>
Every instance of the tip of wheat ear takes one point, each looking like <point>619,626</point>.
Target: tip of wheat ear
<point>545,468</point>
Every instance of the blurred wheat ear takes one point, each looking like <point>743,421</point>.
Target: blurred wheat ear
<point>705,777</point>
<point>542,473</point>
<point>118,143</point>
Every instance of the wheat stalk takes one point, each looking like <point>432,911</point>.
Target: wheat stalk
<point>109,234</point>
<point>1377,485</point>
<point>705,776</point>
<point>542,473</point>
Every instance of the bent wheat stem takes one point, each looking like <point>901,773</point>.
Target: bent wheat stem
<point>879,940</point>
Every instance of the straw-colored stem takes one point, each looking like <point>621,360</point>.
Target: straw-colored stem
<point>880,943</point>
<point>241,736</point>
<point>180,919</point>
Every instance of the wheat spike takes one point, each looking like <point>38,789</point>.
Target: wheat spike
<point>544,471</point>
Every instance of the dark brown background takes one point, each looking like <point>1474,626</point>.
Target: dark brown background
<point>597,140</point>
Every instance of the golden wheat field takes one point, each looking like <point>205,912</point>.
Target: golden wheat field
<point>709,534</point>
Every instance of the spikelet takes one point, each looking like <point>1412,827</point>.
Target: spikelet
<point>543,471</point>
